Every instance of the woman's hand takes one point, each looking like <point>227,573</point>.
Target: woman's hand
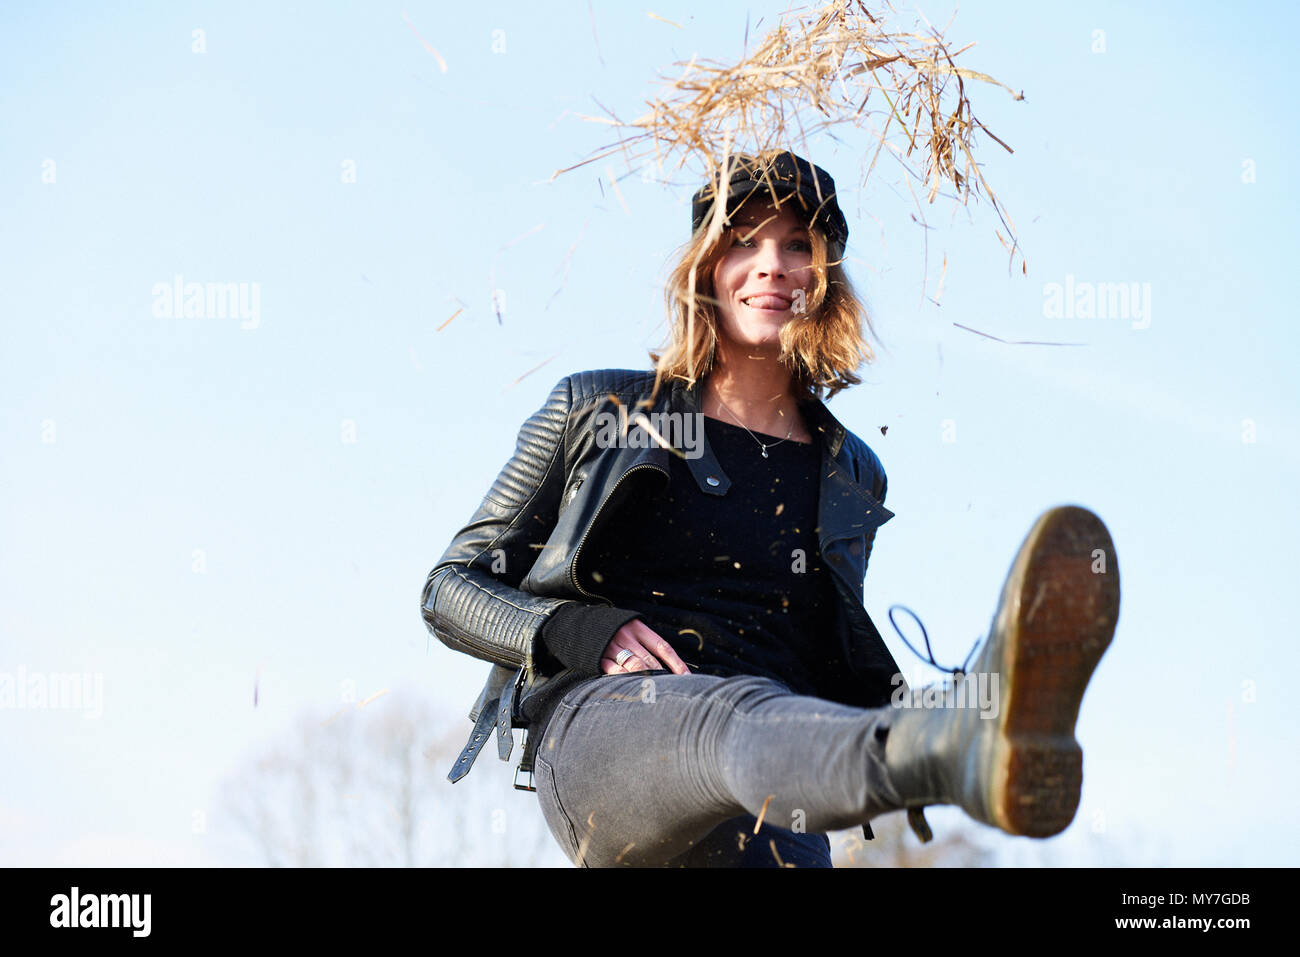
<point>648,651</point>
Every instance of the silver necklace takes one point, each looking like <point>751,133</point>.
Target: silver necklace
<point>761,445</point>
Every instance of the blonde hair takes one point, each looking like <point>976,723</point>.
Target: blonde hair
<point>823,347</point>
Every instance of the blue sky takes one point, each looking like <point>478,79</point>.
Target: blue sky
<point>184,515</point>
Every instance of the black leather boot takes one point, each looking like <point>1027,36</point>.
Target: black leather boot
<point>1011,760</point>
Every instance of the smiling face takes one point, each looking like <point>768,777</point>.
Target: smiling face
<point>764,276</point>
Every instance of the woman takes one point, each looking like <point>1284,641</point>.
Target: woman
<point>678,620</point>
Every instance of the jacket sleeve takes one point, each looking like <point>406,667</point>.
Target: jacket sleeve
<point>471,599</point>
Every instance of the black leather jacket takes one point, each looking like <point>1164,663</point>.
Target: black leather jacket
<point>513,564</point>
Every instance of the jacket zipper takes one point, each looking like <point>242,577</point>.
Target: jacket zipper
<point>573,566</point>
<point>573,571</point>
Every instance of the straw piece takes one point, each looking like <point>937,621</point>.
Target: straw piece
<point>816,71</point>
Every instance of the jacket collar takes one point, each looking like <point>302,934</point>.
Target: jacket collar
<point>687,398</point>
<point>846,509</point>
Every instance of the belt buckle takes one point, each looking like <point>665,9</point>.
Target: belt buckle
<point>531,780</point>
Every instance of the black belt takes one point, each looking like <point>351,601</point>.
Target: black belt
<point>496,712</point>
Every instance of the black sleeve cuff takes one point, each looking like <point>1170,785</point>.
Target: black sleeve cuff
<point>577,634</point>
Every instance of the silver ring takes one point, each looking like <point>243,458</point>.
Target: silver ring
<point>621,658</point>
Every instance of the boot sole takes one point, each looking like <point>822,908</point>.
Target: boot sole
<point>1061,615</point>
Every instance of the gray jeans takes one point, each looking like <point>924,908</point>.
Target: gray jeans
<point>657,769</point>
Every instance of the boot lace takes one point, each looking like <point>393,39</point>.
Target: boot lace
<point>929,654</point>
<point>916,815</point>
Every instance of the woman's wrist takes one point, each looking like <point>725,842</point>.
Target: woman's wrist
<point>576,634</point>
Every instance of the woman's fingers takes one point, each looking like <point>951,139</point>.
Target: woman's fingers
<point>637,659</point>
<point>659,646</point>
<point>614,662</point>
<point>647,651</point>
<point>641,660</point>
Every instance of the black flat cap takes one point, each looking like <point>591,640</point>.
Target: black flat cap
<point>778,174</point>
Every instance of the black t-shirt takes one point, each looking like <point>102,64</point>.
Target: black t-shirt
<point>735,582</point>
